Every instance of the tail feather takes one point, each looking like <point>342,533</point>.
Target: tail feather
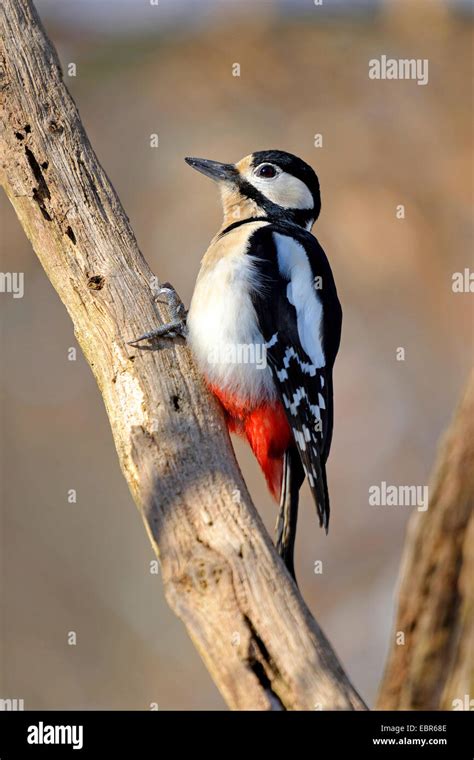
<point>326,505</point>
<point>315,471</point>
<point>293,477</point>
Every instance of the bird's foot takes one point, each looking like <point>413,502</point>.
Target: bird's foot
<point>176,327</point>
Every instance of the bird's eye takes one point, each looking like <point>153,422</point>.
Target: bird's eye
<point>267,171</point>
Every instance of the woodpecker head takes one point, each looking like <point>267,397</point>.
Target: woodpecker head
<point>269,183</point>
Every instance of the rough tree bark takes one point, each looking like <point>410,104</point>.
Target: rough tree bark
<point>221,573</point>
<point>435,665</point>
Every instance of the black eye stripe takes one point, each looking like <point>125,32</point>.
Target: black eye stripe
<point>274,212</point>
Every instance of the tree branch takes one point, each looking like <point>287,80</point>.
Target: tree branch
<point>434,666</point>
<point>221,573</point>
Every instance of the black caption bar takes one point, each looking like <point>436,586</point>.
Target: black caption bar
<point>134,734</point>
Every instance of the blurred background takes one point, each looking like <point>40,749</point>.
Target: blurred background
<point>166,69</point>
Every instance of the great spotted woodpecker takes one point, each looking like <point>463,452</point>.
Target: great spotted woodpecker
<point>264,325</point>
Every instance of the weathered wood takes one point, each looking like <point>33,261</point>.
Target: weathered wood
<point>435,665</point>
<point>221,573</point>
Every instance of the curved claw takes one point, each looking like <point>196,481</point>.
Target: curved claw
<point>177,326</point>
<point>174,329</point>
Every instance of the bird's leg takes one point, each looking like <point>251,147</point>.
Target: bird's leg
<point>176,327</point>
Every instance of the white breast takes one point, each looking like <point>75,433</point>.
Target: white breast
<point>223,330</point>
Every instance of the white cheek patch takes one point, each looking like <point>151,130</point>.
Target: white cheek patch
<point>284,190</point>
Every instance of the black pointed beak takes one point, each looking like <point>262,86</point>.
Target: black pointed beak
<point>213,169</point>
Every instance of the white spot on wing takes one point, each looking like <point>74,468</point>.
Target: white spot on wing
<point>273,340</point>
<point>299,438</point>
<point>294,265</point>
<point>290,353</point>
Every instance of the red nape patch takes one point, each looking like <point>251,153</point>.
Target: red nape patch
<point>267,431</point>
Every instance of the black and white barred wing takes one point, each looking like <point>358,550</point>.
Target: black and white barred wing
<point>304,391</point>
<point>299,315</point>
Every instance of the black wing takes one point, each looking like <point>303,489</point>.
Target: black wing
<point>305,386</point>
